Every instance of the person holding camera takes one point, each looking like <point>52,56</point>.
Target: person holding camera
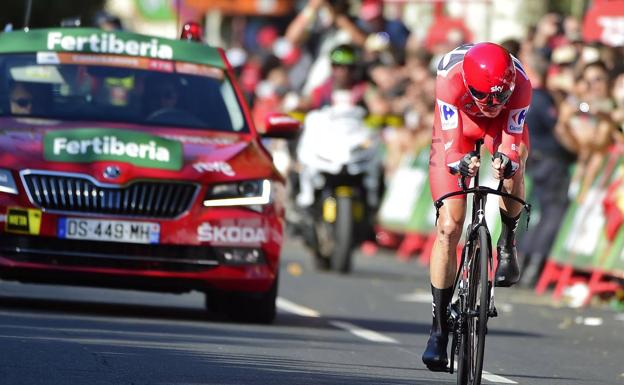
<point>586,125</point>
<point>319,27</point>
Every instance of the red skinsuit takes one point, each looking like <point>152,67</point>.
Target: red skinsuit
<point>458,123</point>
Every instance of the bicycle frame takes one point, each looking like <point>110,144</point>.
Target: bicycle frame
<point>456,314</point>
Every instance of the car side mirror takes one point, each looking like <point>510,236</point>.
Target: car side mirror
<point>279,125</point>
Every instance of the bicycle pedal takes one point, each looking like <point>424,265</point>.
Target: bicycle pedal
<point>493,313</point>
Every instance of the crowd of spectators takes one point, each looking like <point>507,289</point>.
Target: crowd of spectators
<point>576,116</point>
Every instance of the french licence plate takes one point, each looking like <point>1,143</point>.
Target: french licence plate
<point>108,230</point>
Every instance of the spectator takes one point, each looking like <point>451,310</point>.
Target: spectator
<point>618,98</point>
<point>548,33</point>
<point>513,46</point>
<point>585,123</point>
<point>321,26</point>
<point>107,22</point>
<point>372,21</point>
<point>548,166</point>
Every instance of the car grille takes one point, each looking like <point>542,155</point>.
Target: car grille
<point>81,194</point>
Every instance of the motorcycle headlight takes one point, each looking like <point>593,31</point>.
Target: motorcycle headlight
<point>244,193</point>
<point>7,183</point>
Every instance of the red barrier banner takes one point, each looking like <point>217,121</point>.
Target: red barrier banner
<point>604,22</point>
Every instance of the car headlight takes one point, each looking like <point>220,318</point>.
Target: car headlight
<point>7,183</point>
<point>244,193</point>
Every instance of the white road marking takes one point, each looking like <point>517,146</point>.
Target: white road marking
<point>417,296</point>
<point>364,333</point>
<point>589,321</point>
<point>496,378</point>
<point>292,307</point>
<point>370,335</point>
<point>492,377</point>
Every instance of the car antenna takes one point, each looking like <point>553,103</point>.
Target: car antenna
<point>27,14</point>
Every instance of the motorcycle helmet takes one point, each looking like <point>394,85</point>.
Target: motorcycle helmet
<point>344,55</point>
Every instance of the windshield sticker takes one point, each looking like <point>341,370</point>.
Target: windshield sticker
<point>108,42</point>
<point>48,58</point>
<point>36,74</point>
<point>199,70</point>
<point>94,144</point>
<point>160,65</point>
<point>104,60</point>
<point>201,139</point>
<point>220,167</point>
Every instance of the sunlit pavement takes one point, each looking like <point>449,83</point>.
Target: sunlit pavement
<point>365,328</point>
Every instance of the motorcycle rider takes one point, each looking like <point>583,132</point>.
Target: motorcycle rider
<point>338,103</point>
<point>482,92</point>
<point>342,88</point>
<point>345,75</point>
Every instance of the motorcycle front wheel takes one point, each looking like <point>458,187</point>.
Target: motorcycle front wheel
<point>343,232</point>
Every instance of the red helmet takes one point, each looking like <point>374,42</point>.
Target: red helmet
<point>489,74</point>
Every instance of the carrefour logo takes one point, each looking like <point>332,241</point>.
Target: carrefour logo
<point>108,42</point>
<point>516,120</point>
<point>448,115</point>
<point>91,145</point>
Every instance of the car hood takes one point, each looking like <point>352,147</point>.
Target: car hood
<point>118,153</point>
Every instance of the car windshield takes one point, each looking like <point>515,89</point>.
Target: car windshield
<point>112,88</point>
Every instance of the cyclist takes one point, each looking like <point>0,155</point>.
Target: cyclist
<point>482,92</point>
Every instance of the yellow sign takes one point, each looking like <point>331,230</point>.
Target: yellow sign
<point>23,221</point>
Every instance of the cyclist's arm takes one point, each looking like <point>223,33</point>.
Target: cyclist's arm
<point>515,121</point>
<point>447,116</point>
<point>510,144</point>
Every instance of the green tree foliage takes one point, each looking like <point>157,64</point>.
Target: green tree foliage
<point>48,13</point>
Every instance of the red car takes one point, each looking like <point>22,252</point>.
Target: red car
<point>130,161</point>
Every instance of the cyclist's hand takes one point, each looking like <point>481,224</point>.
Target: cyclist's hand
<point>469,164</point>
<point>503,166</point>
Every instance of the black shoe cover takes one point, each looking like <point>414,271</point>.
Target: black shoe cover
<point>508,271</point>
<point>435,357</point>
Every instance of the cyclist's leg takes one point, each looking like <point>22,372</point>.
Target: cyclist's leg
<point>508,270</point>
<point>443,257</point>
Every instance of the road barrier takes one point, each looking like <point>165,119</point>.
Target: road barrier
<point>582,252</point>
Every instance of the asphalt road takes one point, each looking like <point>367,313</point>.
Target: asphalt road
<point>366,328</point>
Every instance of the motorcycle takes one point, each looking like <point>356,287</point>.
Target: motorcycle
<point>339,183</point>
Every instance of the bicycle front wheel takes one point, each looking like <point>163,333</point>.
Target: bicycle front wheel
<point>476,310</point>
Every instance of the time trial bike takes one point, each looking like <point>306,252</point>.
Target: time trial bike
<point>473,302</point>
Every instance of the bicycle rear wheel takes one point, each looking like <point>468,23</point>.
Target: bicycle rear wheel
<point>476,306</point>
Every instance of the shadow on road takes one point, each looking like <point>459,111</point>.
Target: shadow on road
<point>74,307</point>
<point>171,347</point>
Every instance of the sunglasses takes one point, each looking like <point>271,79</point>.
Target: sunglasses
<point>492,98</point>
<point>22,102</point>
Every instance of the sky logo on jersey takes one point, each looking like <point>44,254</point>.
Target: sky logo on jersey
<point>448,115</point>
<point>516,121</point>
